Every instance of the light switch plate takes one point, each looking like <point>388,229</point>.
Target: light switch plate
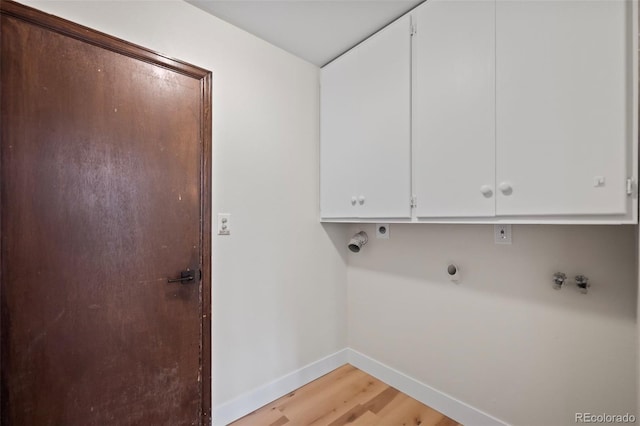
<point>224,224</point>
<point>502,234</point>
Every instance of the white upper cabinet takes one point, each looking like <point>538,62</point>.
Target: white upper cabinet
<point>564,87</point>
<point>454,108</point>
<point>365,128</point>
<point>520,111</point>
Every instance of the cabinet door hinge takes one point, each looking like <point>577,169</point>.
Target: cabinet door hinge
<point>413,30</point>
<point>414,202</point>
<point>630,186</point>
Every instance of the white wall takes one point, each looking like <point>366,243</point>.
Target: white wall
<point>278,280</point>
<point>503,340</point>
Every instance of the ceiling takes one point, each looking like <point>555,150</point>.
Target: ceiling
<point>315,30</point>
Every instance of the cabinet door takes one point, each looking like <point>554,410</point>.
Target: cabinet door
<point>564,88</point>
<point>339,150</point>
<point>365,128</point>
<point>454,108</point>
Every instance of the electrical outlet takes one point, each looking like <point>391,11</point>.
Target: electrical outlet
<point>382,231</point>
<point>502,234</point>
<point>224,224</point>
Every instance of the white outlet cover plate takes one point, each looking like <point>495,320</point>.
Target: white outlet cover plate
<point>382,235</point>
<point>502,234</point>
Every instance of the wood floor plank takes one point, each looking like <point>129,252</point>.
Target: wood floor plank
<point>369,389</point>
<point>446,421</point>
<point>272,411</point>
<point>350,416</point>
<point>409,412</point>
<point>334,379</point>
<point>346,397</point>
<point>262,417</point>
<point>382,400</point>
<point>392,404</point>
<point>281,421</point>
<point>367,419</point>
<point>382,394</point>
<point>328,400</point>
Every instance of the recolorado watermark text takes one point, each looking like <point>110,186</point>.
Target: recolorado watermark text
<point>605,418</point>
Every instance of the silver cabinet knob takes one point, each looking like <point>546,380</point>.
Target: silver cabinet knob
<point>505,188</point>
<point>361,199</point>
<point>486,190</point>
<point>353,200</point>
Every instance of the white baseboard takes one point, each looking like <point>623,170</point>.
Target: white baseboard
<point>446,404</point>
<point>251,401</point>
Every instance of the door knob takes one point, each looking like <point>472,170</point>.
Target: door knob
<point>505,188</point>
<point>486,191</point>
<point>185,276</point>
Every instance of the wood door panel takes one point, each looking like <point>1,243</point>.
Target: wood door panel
<point>101,203</point>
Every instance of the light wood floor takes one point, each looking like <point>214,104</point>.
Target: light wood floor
<point>346,396</point>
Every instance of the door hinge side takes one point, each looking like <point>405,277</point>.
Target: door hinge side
<point>631,185</point>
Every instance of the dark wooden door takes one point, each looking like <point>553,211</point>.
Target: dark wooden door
<point>104,197</point>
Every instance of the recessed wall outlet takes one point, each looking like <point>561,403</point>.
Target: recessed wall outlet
<point>502,234</point>
<point>454,272</point>
<point>382,231</point>
<point>224,224</point>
